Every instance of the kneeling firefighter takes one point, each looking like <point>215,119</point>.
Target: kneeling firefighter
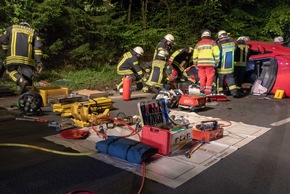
<point>157,75</point>
<point>129,65</point>
<point>22,47</point>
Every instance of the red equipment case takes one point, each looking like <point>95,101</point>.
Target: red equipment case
<point>192,102</point>
<point>160,132</point>
<point>208,135</point>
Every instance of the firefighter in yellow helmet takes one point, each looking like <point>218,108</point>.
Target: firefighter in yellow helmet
<point>129,65</point>
<point>22,47</point>
<point>157,76</point>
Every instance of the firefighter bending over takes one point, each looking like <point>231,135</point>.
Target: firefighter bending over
<point>129,65</point>
<point>179,62</point>
<point>166,44</point>
<point>157,76</point>
<point>22,48</point>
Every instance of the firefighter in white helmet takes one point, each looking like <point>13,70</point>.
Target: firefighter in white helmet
<point>165,44</point>
<point>129,66</point>
<point>157,77</point>
<point>206,57</point>
<point>279,39</point>
<point>225,70</point>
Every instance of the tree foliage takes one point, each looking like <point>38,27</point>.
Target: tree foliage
<point>88,33</point>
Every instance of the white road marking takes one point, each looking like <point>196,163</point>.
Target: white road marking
<point>281,122</point>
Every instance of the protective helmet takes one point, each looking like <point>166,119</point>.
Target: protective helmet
<point>163,54</point>
<point>244,38</point>
<point>138,50</point>
<point>24,24</point>
<point>206,33</point>
<point>190,49</point>
<point>222,34</point>
<point>279,39</point>
<point>169,38</point>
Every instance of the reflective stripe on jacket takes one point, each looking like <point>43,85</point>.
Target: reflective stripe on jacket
<point>157,74</point>
<point>241,55</point>
<point>161,46</point>
<point>129,62</point>
<point>227,48</point>
<point>178,58</point>
<point>21,45</point>
<point>206,53</point>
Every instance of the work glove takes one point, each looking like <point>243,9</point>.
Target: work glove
<point>216,64</point>
<point>39,67</point>
<point>144,79</point>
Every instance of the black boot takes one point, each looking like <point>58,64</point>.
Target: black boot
<point>23,86</point>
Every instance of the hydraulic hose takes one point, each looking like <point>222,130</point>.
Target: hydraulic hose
<point>45,149</point>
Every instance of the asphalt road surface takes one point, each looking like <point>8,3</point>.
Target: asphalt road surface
<point>262,166</point>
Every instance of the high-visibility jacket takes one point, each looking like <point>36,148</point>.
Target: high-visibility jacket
<point>129,64</point>
<point>161,46</point>
<point>206,53</point>
<point>227,47</point>
<point>241,54</point>
<point>21,45</point>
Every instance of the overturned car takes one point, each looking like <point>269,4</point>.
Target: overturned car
<point>269,64</point>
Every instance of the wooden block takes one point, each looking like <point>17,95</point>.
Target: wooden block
<point>91,93</point>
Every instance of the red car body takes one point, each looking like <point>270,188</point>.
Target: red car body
<point>271,65</point>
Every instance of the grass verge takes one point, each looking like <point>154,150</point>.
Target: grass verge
<point>94,79</point>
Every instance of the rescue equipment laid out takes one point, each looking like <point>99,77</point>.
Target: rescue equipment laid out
<point>84,113</point>
<point>159,131</point>
<point>126,149</point>
<point>30,103</point>
<point>192,102</point>
<point>217,97</point>
<point>172,97</point>
<point>208,131</point>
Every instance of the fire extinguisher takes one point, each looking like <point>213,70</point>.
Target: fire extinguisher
<point>126,88</point>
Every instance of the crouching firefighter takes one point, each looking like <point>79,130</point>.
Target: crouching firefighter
<point>129,66</point>
<point>179,62</point>
<point>22,48</point>
<point>157,76</point>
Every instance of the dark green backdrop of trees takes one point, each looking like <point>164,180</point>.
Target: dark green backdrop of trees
<point>90,33</point>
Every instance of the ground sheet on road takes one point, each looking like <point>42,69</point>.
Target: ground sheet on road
<point>175,169</point>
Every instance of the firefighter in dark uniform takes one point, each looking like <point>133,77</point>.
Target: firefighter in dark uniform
<point>129,65</point>
<point>225,69</point>
<point>166,43</point>
<point>157,76</point>
<point>241,61</point>
<point>179,62</point>
<point>22,47</point>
